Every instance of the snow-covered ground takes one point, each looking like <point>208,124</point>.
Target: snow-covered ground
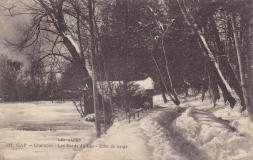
<point>39,131</point>
<point>193,131</point>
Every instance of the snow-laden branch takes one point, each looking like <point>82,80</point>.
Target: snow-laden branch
<point>78,50</point>
<point>73,42</point>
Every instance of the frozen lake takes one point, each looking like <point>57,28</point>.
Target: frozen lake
<point>42,130</point>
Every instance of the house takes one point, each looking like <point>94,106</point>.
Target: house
<point>140,93</point>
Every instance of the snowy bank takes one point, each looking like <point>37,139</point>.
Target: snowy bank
<point>123,141</point>
<point>194,131</point>
<point>222,133</point>
<point>38,124</point>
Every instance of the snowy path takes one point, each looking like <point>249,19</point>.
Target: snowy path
<point>194,131</point>
<point>36,131</point>
<point>123,141</point>
<point>145,138</point>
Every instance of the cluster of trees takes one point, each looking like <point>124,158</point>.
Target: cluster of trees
<point>202,45</point>
<point>30,84</point>
<point>34,82</point>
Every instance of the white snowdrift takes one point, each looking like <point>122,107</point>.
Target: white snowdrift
<point>122,142</point>
<point>222,133</point>
<point>90,117</point>
<point>194,132</point>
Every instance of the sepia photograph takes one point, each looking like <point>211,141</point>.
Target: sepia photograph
<point>126,80</point>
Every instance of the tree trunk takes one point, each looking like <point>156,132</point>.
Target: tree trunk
<point>239,58</point>
<point>223,84</point>
<point>163,93</point>
<point>213,86</point>
<point>225,66</point>
<point>205,83</point>
<point>164,87</point>
<point>173,91</point>
<point>249,54</point>
<point>218,81</point>
<point>250,80</point>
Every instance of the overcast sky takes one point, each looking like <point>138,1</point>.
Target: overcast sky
<point>8,28</point>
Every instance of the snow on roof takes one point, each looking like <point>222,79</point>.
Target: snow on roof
<point>145,84</point>
<point>142,85</point>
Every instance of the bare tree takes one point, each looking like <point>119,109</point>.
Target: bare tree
<point>65,24</point>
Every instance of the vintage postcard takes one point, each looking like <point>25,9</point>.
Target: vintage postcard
<point>126,80</point>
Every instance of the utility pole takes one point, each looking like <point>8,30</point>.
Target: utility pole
<point>91,6</point>
<point>125,54</point>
